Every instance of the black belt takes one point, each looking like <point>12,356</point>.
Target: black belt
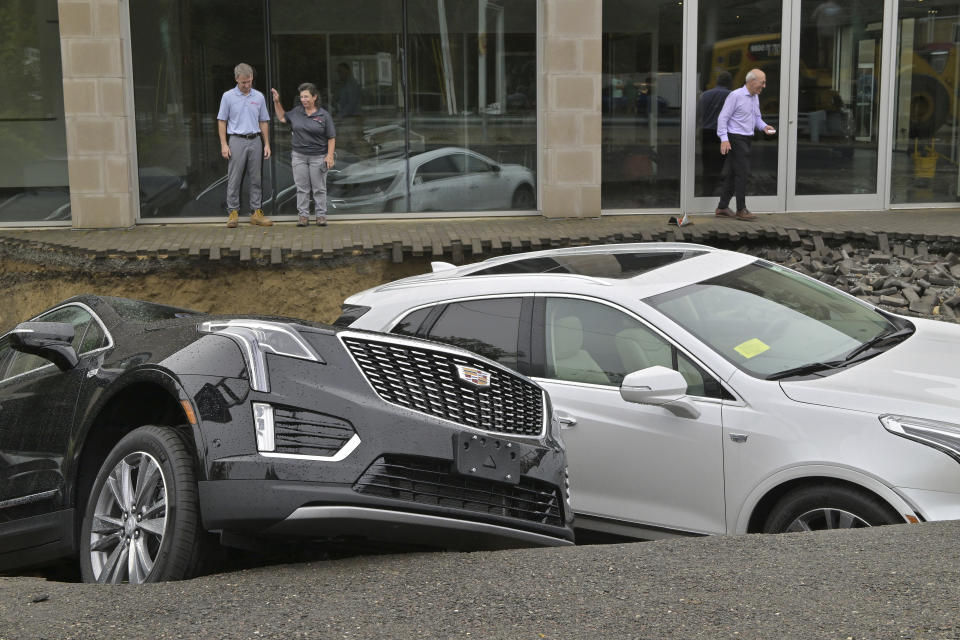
<point>248,136</point>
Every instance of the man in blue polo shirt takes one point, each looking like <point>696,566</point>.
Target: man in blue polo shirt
<point>243,125</point>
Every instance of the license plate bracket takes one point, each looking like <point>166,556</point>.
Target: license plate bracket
<point>493,458</point>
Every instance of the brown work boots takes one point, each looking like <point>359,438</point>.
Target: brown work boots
<point>741,214</point>
<point>256,218</point>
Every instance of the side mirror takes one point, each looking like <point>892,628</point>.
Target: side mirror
<point>496,168</point>
<point>49,340</point>
<point>661,387</point>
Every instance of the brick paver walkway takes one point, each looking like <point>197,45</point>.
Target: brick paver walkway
<point>459,239</point>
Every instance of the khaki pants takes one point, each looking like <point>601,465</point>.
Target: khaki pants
<point>246,156</point>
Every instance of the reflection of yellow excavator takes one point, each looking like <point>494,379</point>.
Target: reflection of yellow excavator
<point>739,55</point>
<point>929,76</point>
<point>932,76</point>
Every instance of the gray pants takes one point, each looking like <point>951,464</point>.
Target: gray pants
<point>246,155</point>
<point>310,176</point>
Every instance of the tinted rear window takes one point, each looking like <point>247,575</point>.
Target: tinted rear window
<point>597,265</point>
<point>488,327</point>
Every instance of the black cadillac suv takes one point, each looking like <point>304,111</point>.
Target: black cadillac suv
<point>130,430</point>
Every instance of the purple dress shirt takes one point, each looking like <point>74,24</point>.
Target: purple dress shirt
<point>740,114</point>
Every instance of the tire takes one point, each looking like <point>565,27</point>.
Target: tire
<point>929,106</point>
<point>523,199</point>
<point>157,470</point>
<point>827,507</point>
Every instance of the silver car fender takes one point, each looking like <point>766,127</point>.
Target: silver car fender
<point>888,494</point>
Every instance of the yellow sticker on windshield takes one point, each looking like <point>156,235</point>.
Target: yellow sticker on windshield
<point>751,348</point>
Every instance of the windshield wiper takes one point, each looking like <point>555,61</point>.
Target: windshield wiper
<point>887,337</point>
<point>806,369</point>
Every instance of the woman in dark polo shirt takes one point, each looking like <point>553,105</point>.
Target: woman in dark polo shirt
<point>312,155</point>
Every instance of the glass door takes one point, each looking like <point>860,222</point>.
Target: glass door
<point>825,61</point>
<point>837,64</point>
<point>734,37</point>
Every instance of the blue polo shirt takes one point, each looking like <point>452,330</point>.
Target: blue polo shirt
<point>243,113</point>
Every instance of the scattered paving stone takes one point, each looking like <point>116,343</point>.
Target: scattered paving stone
<point>924,306</point>
<point>883,243</point>
<point>893,301</point>
<point>921,283</point>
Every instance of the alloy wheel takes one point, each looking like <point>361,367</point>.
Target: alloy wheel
<point>826,518</point>
<point>129,521</point>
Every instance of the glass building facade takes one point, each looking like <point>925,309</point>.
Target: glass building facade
<point>447,107</point>
<point>434,103</point>
<point>33,158</point>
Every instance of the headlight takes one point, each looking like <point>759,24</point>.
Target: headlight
<point>256,338</point>
<point>939,435</point>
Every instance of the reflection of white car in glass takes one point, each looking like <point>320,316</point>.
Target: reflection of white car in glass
<point>447,179</point>
<point>161,193</point>
<point>706,391</point>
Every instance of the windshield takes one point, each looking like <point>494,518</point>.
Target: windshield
<point>766,319</point>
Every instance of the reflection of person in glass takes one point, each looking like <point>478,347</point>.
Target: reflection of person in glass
<point>736,123</point>
<point>347,107</point>
<point>708,109</point>
<point>829,17</point>
<point>243,126</point>
<point>314,141</point>
<point>348,96</point>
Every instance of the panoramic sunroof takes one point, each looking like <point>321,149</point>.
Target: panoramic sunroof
<point>597,265</point>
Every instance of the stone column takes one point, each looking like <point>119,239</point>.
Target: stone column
<point>94,99</point>
<point>570,166</point>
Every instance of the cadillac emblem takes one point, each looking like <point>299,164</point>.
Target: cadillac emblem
<point>476,377</point>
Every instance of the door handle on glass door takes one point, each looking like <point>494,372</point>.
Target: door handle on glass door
<point>566,420</point>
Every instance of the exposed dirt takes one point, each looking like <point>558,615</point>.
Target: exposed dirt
<point>306,289</point>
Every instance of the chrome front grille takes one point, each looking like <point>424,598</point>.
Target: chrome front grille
<point>426,380</point>
<point>428,481</point>
<point>309,434</point>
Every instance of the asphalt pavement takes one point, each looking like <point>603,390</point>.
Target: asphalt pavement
<point>888,582</point>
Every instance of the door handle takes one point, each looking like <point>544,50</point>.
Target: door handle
<point>738,437</point>
<point>566,420</point>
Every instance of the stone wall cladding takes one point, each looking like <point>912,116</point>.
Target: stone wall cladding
<point>570,113</point>
<point>97,126</point>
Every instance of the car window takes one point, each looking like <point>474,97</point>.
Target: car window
<point>409,325</point>
<point>94,338</point>
<point>6,355</point>
<point>474,164</point>
<point>765,319</point>
<point>592,342</point>
<point>488,327</point>
<point>87,336</point>
<point>613,265</point>
<point>437,169</point>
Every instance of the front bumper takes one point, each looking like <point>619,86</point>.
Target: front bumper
<point>345,463</point>
<point>271,508</point>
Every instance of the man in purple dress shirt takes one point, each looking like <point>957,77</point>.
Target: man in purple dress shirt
<point>738,119</point>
